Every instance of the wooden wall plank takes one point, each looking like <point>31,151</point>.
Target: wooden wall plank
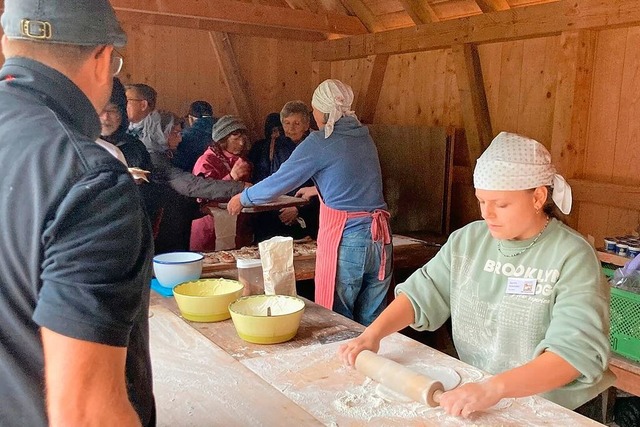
<point>506,118</point>
<point>626,157</point>
<point>572,101</point>
<point>605,104</point>
<point>320,71</point>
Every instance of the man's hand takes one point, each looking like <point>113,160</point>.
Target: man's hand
<point>288,215</point>
<point>234,207</point>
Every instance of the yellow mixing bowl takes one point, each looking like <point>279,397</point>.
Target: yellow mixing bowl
<point>267,319</point>
<point>207,300</point>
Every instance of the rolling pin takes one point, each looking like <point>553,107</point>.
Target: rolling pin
<point>399,378</point>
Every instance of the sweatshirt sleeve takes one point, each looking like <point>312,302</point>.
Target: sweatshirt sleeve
<point>579,328</point>
<point>294,172</point>
<point>429,291</point>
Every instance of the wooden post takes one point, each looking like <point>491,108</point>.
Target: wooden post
<point>473,100</point>
<point>370,89</point>
<point>233,78</point>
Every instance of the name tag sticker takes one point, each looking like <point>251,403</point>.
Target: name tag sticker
<point>521,286</point>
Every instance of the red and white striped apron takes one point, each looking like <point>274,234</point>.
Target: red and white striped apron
<point>332,222</point>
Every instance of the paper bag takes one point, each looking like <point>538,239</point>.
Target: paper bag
<point>276,255</point>
<point>225,228</point>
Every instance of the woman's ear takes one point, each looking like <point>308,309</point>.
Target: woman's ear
<point>540,197</point>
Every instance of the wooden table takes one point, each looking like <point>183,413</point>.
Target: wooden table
<point>204,374</point>
<point>408,253</point>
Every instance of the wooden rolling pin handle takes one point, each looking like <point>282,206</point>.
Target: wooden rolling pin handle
<point>399,378</point>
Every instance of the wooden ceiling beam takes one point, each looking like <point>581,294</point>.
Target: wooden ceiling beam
<point>420,11</point>
<point>236,12</point>
<point>364,14</point>
<point>513,24</point>
<point>226,27</point>
<point>493,5</point>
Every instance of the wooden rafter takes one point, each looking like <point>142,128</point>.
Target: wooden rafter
<point>420,11</point>
<point>236,12</point>
<point>210,25</point>
<point>233,78</point>
<point>517,23</point>
<point>492,5</point>
<point>363,13</point>
<point>473,100</point>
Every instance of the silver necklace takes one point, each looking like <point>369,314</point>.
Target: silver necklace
<point>530,244</point>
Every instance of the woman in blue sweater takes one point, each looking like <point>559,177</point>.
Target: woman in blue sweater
<point>353,261</point>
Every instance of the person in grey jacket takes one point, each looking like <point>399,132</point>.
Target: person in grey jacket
<point>178,190</point>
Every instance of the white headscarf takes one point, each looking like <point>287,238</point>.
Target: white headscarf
<point>515,162</point>
<point>333,97</point>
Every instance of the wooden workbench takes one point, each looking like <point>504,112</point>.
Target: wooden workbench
<point>204,374</point>
<point>408,253</point>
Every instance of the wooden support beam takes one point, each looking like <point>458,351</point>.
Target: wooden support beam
<point>233,78</point>
<point>218,26</point>
<point>514,24</point>
<point>363,13</point>
<point>237,12</point>
<point>473,100</point>
<point>492,5</point>
<point>420,11</point>
<point>619,196</point>
<point>371,88</point>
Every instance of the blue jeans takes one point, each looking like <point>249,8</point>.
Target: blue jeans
<point>359,294</point>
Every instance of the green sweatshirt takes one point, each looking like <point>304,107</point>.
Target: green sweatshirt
<point>501,321</point>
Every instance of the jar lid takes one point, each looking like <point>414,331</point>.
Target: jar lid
<point>248,263</point>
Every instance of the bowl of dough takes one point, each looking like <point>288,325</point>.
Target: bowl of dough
<point>267,319</point>
<point>207,300</point>
<point>173,268</point>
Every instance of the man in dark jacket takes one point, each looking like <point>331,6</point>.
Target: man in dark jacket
<point>197,137</point>
<point>76,245</point>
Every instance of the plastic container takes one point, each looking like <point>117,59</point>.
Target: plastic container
<point>610,244</point>
<point>625,323</point>
<point>622,249</point>
<point>250,274</point>
<point>633,251</point>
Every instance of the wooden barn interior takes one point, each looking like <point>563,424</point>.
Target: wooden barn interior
<point>435,80</point>
<point>563,72</point>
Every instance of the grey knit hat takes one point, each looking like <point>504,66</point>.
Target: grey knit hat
<point>225,126</point>
<point>87,23</point>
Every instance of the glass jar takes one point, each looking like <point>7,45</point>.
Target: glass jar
<point>250,274</point>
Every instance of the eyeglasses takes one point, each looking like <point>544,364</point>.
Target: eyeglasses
<point>134,99</point>
<point>116,62</point>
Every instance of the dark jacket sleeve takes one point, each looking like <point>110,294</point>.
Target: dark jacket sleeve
<point>190,185</point>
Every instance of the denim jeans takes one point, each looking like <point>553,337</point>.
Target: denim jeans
<point>359,294</point>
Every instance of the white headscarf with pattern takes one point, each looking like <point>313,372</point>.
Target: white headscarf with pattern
<point>335,98</point>
<point>515,162</point>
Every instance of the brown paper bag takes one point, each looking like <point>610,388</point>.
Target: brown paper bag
<point>276,255</point>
